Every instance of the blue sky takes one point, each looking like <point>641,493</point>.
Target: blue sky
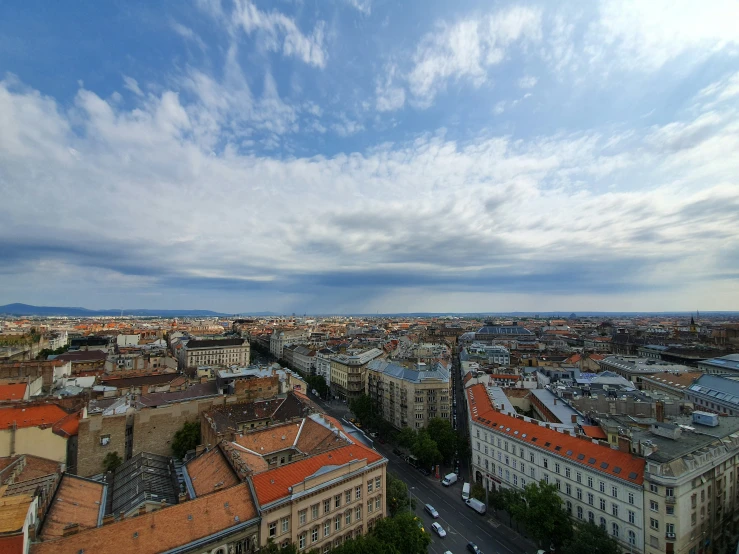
<point>365,155</point>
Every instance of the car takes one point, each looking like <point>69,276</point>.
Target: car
<point>438,529</point>
<point>430,510</point>
<point>472,547</point>
<point>425,471</point>
<point>397,452</point>
<point>447,552</point>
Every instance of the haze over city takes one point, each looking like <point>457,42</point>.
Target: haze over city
<point>359,156</point>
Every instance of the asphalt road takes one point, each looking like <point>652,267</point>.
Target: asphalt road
<point>461,523</point>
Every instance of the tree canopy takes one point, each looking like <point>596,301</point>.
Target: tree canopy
<point>396,495</point>
<point>539,509</point>
<point>111,461</point>
<point>589,538</point>
<point>425,449</point>
<point>187,438</point>
<point>402,533</point>
<point>443,434</point>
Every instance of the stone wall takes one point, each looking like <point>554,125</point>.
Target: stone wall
<point>91,449</point>
<point>259,387</point>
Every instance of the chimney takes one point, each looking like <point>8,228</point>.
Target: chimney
<point>624,444</point>
<point>70,529</point>
<point>573,418</point>
<point>660,411</point>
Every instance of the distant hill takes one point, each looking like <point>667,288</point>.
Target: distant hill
<point>26,309</point>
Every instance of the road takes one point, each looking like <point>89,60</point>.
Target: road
<point>461,523</point>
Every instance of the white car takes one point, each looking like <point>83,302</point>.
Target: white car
<point>438,529</point>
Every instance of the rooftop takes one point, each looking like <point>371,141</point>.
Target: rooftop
<point>213,343</point>
<point>10,392</point>
<point>729,362</point>
<point>77,500</point>
<point>723,389</point>
<point>436,372</point>
<point>582,451</point>
<point>31,416</point>
<point>642,365</point>
<point>209,472</point>
<point>13,512</point>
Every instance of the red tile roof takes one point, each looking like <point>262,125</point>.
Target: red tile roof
<point>594,432</point>
<point>31,416</point>
<point>69,426</point>
<point>15,391</point>
<point>604,459</point>
<point>273,485</point>
<point>12,544</point>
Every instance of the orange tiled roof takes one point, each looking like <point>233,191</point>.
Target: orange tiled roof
<point>161,530</point>
<point>76,500</point>
<point>594,432</point>
<point>15,391</point>
<point>272,439</point>
<point>69,426</point>
<point>273,484</point>
<point>31,416</point>
<point>604,459</point>
<point>12,544</point>
<point>210,469</point>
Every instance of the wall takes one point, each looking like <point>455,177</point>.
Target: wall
<point>34,440</point>
<point>260,387</point>
<point>90,453</point>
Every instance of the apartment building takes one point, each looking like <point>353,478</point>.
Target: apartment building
<point>282,337</point>
<point>323,364</point>
<point>597,483</point>
<point>199,352</point>
<point>409,396</point>
<point>490,353</point>
<point>348,373</point>
<point>321,501</point>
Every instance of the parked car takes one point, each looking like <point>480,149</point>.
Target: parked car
<point>430,510</point>
<point>472,547</point>
<point>425,471</point>
<point>397,452</point>
<point>438,529</point>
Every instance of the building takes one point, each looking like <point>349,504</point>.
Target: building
<point>724,364</point>
<point>409,396</point>
<point>672,384</point>
<point>348,373</point>
<point>43,430</point>
<point>282,337</point>
<point>323,364</point>
<point>225,352</point>
<point>715,393</point>
<point>490,353</point>
<point>633,368</point>
<point>596,483</point>
<point>492,332</point>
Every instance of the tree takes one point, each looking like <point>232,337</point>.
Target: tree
<point>396,495</point>
<point>542,514</point>
<point>463,447</point>
<point>365,544</point>
<point>319,384</point>
<point>589,538</point>
<point>407,437</point>
<point>272,548</point>
<point>363,409</point>
<point>187,438</point>
<point>443,434</point>
<point>111,461</point>
<point>477,491</point>
<point>425,450</point>
<point>508,500</point>
<point>402,533</point>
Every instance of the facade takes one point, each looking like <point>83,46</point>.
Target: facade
<point>633,368</point>
<point>282,337</point>
<point>323,364</point>
<point>215,352</point>
<point>409,397</point>
<point>596,483</point>
<point>674,385</point>
<point>725,364</point>
<point>491,353</point>
<point>348,373</point>
<point>321,501</point>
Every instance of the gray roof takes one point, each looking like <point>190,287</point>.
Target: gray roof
<point>503,330</point>
<point>437,371</point>
<point>730,362</point>
<point>213,343</point>
<point>723,389</point>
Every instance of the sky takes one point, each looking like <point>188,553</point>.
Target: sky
<point>362,156</point>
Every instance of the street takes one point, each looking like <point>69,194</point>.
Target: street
<point>461,523</point>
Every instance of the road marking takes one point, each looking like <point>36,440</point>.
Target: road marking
<point>504,546</point>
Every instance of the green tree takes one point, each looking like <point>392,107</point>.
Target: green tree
<point>111,461</point>
<point>589,538</point>
<point>463,447</point>
<point>396,495</point>
<point>272,548</point>
<point>402,533</point>
<point>363,409</point>
<point>444,436</point>
<point>187,438</point>
<point>407,437</point>
<point>542,514</point>
<point>477,491</point>
<point>318,383</point>
<point>425,450</point>
<point>508,500</point>
<point>365,544</point>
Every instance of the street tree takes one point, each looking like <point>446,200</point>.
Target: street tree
<point>508,500</point>
<point>477,491</point>
<point>541,513</point>
<point>403,533</point>
<point>425,449</point>
<point>407,437</point>
<point>186,439</point>
<point>442,433</point>
<point>397,495</point>
<point>589,538</point>
<point>363,409</point>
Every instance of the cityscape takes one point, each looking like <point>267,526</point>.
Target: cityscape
<point>369,277</point>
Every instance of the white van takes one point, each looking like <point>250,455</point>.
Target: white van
<point>449,479</point>
<point>476,505</point>
<point>465,491</point>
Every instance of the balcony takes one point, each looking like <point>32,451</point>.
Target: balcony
<point>670,536</point>
<point>670,500</point>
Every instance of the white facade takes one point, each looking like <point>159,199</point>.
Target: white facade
<point>282,337</point>
<point>128,340</point>
<point>323,366</point>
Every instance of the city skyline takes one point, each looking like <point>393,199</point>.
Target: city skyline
<point>361,157</point>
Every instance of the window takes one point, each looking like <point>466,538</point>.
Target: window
<point>579,512</point>
<point>614,491</point>
<point>670,528</point>
<point>378,483</point>
<point>614,509</point>
<point>579,493</point>
<point>285,524</point>
<point>654,506</point>
<point>314,535</point>
<point>590,482</point>
<point>578,477</point>
<point>302,516</point>
<point>614,529</point>
<point>357,493</point>
<point>348,497</point>
<point>326,506</point>
<point>357,513</point>
<point>591,498</point>
<point>632,538</point>
<point>532,471</point>
<point>369,506</point>
<point>653,523</point>
<point>569,507</point>
<point>591,517</point>
<point>669,492</point>
<point>314,512</point>
<point>369,486</point>
<point>546,478</point>
<point>337,523</point>
<point>301,541</point>
<point>556,468</point>
<point>670,510</point>
<point>515,481</point>
<point>531,457</point>
<point>631,498</point>
<point>348,517</point>
<point>653,488</point>
<point>693,518</point>
<point>337,501</point>
<point>632,516</point>
<point>378,502</point>
<point>602,505</point>
<point>273,529</point>
<point>568,489</point>
<point>603,522</point>
<point>326,528</point>
<point>567,472</point>
<point>104,440</point>
<point>602,487</point>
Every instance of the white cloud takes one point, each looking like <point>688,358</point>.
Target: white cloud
<point>346,127</point>
<point>528,81</point>
<point>277,32</point>
<point>363,6</point>
<point>719,92</point>
<point>188,34</point>
<point>129,83</point>
<point>390,96</point>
